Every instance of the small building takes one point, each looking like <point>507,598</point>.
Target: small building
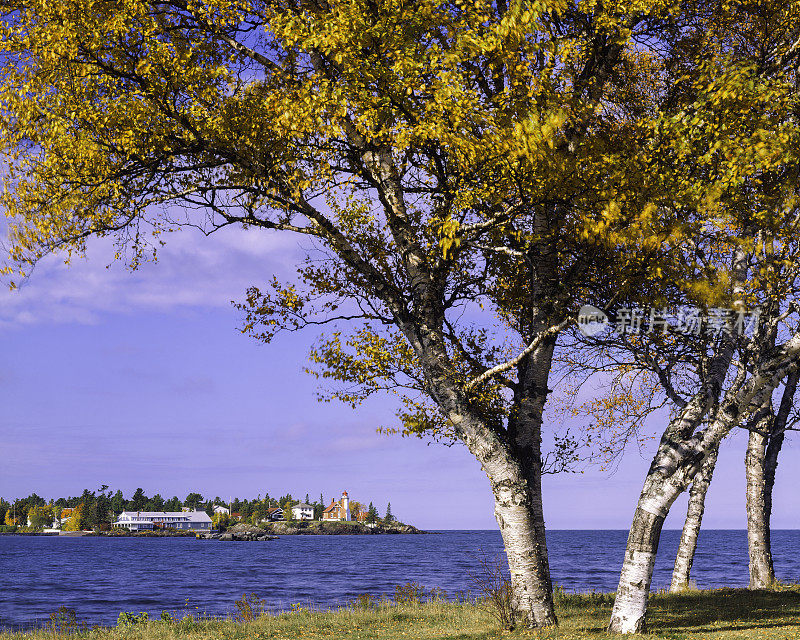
<point>148,520</point>
<point>303,511</point>
<point>220,509</point>
<point>274,514</point>
<point>338,509</point>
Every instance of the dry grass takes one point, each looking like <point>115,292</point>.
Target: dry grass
<point>725,614</point>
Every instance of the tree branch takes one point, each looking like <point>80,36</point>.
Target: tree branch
<point>500,368</point>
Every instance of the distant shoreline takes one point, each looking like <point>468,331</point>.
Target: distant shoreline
<point>301,528</point>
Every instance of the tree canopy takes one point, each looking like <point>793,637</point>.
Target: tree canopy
<point>468,172</point>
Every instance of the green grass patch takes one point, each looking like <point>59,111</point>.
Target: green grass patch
<point>723,614</point>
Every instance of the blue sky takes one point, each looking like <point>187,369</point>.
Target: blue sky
<point>142,379</point>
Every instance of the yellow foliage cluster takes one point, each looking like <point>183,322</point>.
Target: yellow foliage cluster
<point>414,140</point>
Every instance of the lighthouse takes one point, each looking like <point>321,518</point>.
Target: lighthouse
<point>346,505</point>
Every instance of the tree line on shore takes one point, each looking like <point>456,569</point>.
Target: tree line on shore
<point>97,510</point>
<point>470,177</point>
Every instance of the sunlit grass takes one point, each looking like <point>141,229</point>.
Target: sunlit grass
<point>724,614</point>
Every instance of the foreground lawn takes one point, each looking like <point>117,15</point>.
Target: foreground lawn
<point>724,614</point>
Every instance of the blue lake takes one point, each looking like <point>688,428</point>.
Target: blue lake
<point>99,577</point>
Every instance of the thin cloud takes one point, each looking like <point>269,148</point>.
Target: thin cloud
<point>192,271</point>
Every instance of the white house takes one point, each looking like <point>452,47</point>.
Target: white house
<point>145,520</point>
<point>303,511</point>
<point>221,509</point>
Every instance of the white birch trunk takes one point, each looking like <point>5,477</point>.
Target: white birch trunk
<point>630,604</point>
<point>514,473</point>
<point>762,574</point>
<point>527,556</point>
<point>691,526</point>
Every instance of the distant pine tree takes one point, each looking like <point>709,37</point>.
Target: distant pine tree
<point>388,518</point>
<point>372,514</point>
<point>138,501</point>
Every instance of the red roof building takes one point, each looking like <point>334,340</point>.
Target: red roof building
<point>338,509</point>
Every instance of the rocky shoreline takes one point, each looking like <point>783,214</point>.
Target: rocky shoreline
<point>240,533</point>
<point>276,529</point>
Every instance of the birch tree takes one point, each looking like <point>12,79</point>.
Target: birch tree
<point>767,433</point>
<point>714,383</point>
<point>466,171</point>
<point>735,387</point>
<point>687,546</point>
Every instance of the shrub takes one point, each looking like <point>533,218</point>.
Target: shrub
<point>364,601</point>
<point>248,608</point>
<point>495,595</point>
<point>437,594</point>
<point>63,620</point>
<point>411,592</point>
<point>129,619</point>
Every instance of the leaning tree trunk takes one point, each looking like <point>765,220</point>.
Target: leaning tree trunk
<point>678,459</point>
<point>762,573</point>
<point>512,462</point>
<point>691,526</point>
<point>630,603</point>
<point>680,456</point>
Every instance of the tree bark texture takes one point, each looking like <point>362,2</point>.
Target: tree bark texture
<point>525,435</point>
<point>762,573</point>
<point>691,526</point>
<point>676,462</point>
<point>776,439</point>
<point>512,463</point>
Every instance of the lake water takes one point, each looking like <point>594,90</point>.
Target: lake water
<point>99,577</point>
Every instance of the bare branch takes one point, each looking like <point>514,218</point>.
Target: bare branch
<point>500,368</point>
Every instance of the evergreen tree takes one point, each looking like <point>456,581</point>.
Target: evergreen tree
<point>139,501</point>
<point>388,518</point>
<point>372,514</point>
<point>246,509</point>
<point>4,506</point>
<point>319,507</point>
<point>193,501</point>
<point>97,513</point>
<point>117,503</point>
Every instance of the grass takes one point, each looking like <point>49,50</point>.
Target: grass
<point>723,614</point>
